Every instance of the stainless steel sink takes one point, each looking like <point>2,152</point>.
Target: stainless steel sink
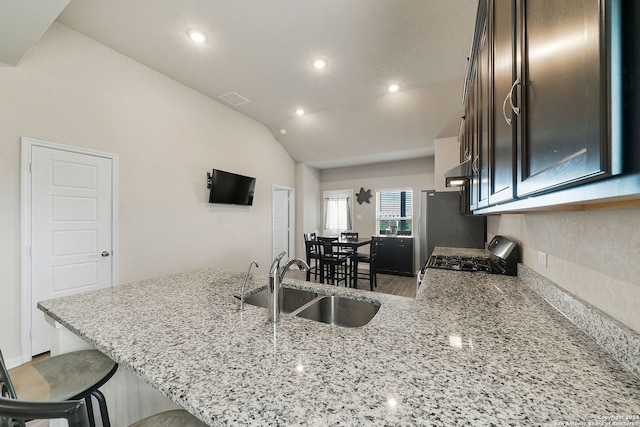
<point>292,299</point>
<point>333,310</point>
<point>340,311</point>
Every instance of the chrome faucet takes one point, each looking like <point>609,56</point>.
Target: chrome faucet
<point>274,290</point>
<point>245,284</point>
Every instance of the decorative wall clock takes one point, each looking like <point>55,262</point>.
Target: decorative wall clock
<point>364,196</point>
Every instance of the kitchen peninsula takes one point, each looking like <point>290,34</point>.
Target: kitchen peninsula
<point>470,349</point>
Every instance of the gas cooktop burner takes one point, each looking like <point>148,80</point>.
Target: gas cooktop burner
<point>502,259</point>
<point>461,263</point>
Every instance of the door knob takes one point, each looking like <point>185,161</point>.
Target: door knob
<point>105,253</point>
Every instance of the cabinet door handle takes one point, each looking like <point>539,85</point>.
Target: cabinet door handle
<point>510,98</point>
<point>474,165</point>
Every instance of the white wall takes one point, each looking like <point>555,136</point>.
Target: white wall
<point>307,204</point>
<point>447,156</point>
<point>416,173</point>
<point>72,90</point>
<point>592,254</point>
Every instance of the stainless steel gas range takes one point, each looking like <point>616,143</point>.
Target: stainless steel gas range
<point>502,259</point>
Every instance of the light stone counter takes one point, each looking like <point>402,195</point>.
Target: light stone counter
<point>471,349</point>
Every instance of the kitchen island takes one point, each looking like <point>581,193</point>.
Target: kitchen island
<point>470,349</point>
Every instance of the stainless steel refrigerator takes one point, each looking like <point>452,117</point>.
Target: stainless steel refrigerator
<point>442,224</point>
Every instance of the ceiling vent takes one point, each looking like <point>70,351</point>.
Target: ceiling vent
<point>234,98</point>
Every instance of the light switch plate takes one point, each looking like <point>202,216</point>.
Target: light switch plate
<point>542,258</point>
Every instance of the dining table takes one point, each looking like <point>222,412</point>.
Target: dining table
<point>353,244</point>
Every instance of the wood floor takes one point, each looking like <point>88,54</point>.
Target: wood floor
<point>35,423</point>
<point>387,283</point>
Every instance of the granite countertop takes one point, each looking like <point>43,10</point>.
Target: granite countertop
<point>471,349</point>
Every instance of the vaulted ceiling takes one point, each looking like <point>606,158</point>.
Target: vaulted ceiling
<point>262,52</point>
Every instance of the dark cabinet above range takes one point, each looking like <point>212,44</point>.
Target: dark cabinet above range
<point>547,95</point>
<point>571,103</point>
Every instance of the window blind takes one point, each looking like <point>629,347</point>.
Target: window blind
<point>395,205</point>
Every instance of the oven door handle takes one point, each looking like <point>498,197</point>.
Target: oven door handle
<point>420,276</point>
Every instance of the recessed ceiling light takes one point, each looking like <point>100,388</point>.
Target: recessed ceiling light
<point>299,111</point>
<point>319,64</point>
<point>197,36</point>
<point>283,131</point>
<point>393,88</point>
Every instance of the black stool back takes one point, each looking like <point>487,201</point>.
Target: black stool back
<point>14,413</point>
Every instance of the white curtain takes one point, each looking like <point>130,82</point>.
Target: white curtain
<point>337,213</point>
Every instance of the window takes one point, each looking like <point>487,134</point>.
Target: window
<point>337,210</point>
<point>394,211</point>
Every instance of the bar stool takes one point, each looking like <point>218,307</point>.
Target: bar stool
<point>69,376</point>
<point>15,412</point>
<point>176,417</point>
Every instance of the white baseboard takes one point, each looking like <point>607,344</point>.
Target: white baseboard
<point>13,362</point>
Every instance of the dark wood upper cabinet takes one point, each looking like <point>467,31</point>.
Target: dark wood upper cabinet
<point>549,90</point>
<point>568,126</point>
<point>471,142</point>
<point>502,145</point>
<point>490,138</point>
<point>484,104</point>
<point>477,105</point>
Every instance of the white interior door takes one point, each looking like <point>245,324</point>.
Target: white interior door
<point>283,221</point>
<point>71,229</point>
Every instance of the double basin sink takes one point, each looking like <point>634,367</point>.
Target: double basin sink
<point>330,309</point>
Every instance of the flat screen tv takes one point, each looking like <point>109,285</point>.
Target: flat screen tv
<point>231,188</point>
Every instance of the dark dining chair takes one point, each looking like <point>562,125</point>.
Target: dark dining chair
<point>347,250</point>
<point>348,235</point>
<point>14,411</point>
<point>334,266</point>
<point>70,376</point>
<point>370,259</point>
<point>312,250</point>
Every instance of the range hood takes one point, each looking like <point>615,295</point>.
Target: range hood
<point>459,175</point>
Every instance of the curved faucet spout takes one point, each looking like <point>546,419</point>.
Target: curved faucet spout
<point>275,265</point>
<point>274,291</point>
<point>245,284</point>
<point>300,263</point>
